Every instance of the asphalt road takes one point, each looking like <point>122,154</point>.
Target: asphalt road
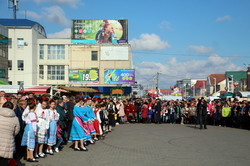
<point>160,145</point>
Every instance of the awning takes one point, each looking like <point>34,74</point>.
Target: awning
<point>245,94</point>
<point>227,95</point>
<point>78,89</point>
<point>61,90</point>
<point>37,89</point>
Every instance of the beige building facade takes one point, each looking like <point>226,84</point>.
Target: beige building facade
<point>57,56</point>
<point>22,50</point>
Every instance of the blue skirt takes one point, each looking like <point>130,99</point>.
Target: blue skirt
<point>52,133</point>
<point>29,138</point>
<point>78,131</point>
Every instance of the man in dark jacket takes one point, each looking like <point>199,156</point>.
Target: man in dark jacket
<point>158,112</point>
<point>202,112</point>
<point>62,117</point>
<point>70,116</point>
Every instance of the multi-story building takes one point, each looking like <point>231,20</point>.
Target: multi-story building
<point>22,50</point>
<point>215,83</point>
<point>3,54</point>
<point>36,60</point>
<point>233,79</point>
<point>58,56</point>
<point>188,86</point>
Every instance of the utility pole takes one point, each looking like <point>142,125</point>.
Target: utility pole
<point>157,83</point>
<point>13,4</point>
<point>214,85</point>
<point>232,83</point>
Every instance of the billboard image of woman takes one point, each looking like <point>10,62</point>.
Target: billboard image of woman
<point>99,31</point>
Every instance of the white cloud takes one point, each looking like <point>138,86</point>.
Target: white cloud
<point>165,25</point>
<point>54,14</point>
<point>201,49</point>
<point>31,14</point>
<point>224,18</point>
<point>173,70</point>
<point>71,3</point>
<point>149,42</point>
<point>64,34</point>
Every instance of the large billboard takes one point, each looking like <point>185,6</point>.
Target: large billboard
<point>99,31</point>
<point>114,53</point>
<point>119,76</point>
<point>83,76</point>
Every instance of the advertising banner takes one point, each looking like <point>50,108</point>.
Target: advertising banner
<point>99,31</point>
<point>119,76</point>
<point>83,76</point>
<point>115,53</point>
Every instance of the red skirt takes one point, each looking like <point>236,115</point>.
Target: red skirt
<point>96,126</point>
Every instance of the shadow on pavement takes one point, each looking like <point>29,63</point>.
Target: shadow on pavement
<point>193,126</point>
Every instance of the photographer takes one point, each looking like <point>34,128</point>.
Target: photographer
<point>202,112</point>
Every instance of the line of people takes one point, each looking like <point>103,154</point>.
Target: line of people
<point>43,125</point>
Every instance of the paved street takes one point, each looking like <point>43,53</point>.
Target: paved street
<point>160,145</point>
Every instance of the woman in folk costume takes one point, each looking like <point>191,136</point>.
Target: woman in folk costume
<point>97,122</point>
<point>111,119</point>
<point>26,111</point>
<point>78,131</point>
<point>53,118</point>
<point>30,131</point>
<point>42,127</point>
<point>121,112</point>
<point>91,118</point>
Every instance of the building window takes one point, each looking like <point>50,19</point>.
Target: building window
<point>41,72</point>
<point>9,64</point>
<point>94,55</point>
<point>56,52</point>
<point>10,42</point>
<point>20,82</point>
<point>56,72</point>
<point>20,65</point>
<point>20,42</point>
<point>41,51</point>
<point>10,82</point>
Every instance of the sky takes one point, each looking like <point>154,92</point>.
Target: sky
<point>180,39</point>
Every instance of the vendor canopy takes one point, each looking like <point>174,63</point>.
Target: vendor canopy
<point>37,89</point>
<point>78,89</point>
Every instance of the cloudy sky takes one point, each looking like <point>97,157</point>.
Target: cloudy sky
<point>178,38</point>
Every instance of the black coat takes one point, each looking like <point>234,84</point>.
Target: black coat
<point>158,107</point>
<point>70,107</point>
<point>202,108</point>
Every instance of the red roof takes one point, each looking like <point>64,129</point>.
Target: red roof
<point>200,84</point>
<point>217,77</point>
<point>166,91</point>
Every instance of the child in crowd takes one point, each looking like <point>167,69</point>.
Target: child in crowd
<point>53,118</point>
<point>59,133</point>
<point>30,132</point>
<point>97,123</point>
<point>42,127</point>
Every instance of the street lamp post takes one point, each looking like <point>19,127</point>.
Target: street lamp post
<point>232,83</point>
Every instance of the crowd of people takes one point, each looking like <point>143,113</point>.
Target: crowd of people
<point>34,127</point>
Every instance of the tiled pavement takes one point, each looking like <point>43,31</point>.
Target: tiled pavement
<point>160,145</point>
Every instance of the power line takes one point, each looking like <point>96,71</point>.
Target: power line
<point>182,54</point>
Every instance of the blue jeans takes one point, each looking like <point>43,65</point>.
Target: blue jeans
<point>173,118</point>
<point>59,141</point>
